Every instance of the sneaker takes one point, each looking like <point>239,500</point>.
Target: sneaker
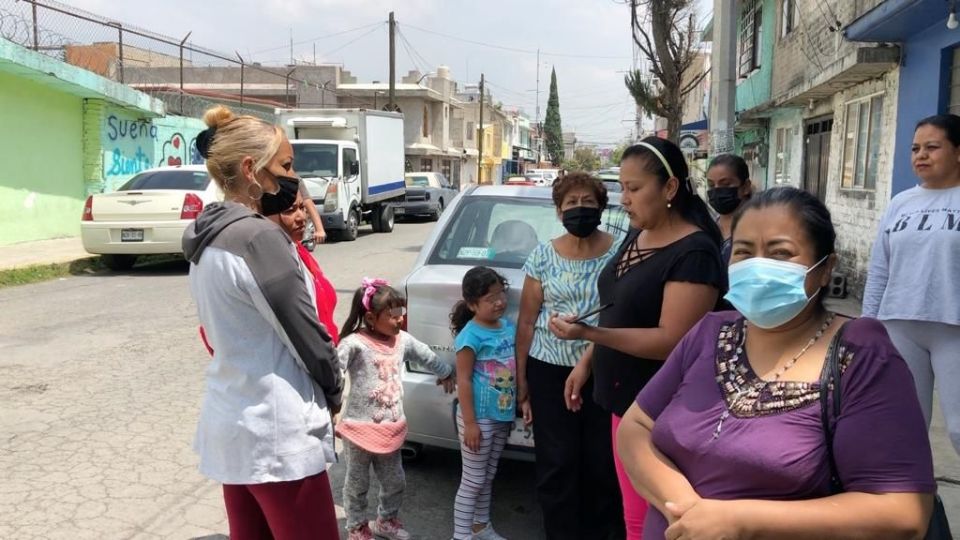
<point>361,532</point>
<point>487,533</point>
<point>391,529</point>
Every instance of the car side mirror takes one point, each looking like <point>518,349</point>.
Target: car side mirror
<point>354,168</point>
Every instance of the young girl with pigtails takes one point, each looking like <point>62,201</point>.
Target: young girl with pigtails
<point>373,348</point>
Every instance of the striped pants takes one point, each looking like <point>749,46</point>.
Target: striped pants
<point>472,504</point>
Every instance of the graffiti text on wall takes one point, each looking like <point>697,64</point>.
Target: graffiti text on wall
<point>134,145</point>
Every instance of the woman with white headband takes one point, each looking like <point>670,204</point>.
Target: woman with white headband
<point>666,276</point>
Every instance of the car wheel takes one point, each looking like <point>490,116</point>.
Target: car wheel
<point>119,263</point>
<point>439,210</point>
<point>352,226</point>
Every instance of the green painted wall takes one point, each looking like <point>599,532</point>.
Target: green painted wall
<point>129,144</point>
<point>41,147</point>
<point>755,89</point>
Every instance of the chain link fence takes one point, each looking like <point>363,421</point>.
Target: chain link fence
<point>186,77</point>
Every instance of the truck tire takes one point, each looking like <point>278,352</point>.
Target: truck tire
<point>351,227</point>
<point>383,219</point>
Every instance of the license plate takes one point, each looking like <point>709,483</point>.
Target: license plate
<point>131,235</point>
<point>520,435</point>
<point>398,210</point>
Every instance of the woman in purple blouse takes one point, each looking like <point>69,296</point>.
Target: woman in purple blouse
<point>727,441</point>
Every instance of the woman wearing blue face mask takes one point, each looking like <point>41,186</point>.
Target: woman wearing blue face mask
<point>728,439</point>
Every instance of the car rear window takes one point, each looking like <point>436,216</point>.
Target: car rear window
<point>502,231</point>
<point>188,180</point>
<point>418,181</point>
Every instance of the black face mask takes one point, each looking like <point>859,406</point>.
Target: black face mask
<point>272,204</point>
<point>725,200</point>
<point>581,221</point>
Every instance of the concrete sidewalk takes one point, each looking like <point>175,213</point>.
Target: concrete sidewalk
<point>61,250</point>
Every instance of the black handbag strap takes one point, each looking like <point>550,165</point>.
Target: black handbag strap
<point>939,527</point>
<point>831,374</point>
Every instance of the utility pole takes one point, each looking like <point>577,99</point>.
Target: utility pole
<point>724,77</point>
<point>393,64</point>
<point>480,137</point>
<point>539,130</point>
<point>291,46</point>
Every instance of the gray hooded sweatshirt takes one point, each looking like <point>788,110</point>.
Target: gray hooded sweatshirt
<point>274,377</point>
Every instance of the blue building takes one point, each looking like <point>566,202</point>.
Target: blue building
<point>929,68</point>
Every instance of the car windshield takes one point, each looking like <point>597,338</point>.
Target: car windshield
<point>502,231</point>
<point>418,181</point>
<point>315,159</point>
<point>172,179</point>
<point>613,186</point>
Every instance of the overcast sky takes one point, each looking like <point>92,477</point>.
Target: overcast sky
<point>587,41</point>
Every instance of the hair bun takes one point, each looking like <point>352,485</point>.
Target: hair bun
<point>217,116</point>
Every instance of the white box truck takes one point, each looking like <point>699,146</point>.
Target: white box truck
<point>352,162</point>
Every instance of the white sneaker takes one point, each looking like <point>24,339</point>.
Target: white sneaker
<point>487,534</point>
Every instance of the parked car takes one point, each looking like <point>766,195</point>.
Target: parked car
<point>611,180</point>
<point>519,181</point>
<point>147,215</point>
<point>549,175</point>
<point>428,193</point>
<point>495,226</point>
<point>538,179</point>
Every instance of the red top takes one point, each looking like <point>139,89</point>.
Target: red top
<point>326,294</point>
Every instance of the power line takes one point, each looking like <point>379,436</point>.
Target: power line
<point>515,49</point>
<point>352,41</point>
<point>318,38</point>
<point>415,52</point>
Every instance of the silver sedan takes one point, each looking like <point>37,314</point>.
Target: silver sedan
<point>494,226</point>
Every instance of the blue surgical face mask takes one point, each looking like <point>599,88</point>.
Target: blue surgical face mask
<point>768,292</point>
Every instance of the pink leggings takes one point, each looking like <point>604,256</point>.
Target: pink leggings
<point>634,506</point>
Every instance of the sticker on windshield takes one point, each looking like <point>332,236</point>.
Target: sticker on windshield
<point>474,253</point>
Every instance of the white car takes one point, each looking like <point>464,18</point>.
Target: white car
<point>147,215</point>
<point>494,226</point>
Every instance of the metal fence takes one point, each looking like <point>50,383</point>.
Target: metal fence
<point>187,77</point>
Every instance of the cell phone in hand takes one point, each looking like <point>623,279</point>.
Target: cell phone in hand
<point>589,314</point>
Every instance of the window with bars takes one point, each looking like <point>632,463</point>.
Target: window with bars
<point>751,36</point>
<point>426,165</point>
<point>789,17</point>
<point>954,106</point>
<point>471,128</point>
<point>861,143</point>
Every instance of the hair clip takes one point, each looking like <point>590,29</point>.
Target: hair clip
<point>370,286</point>
<point>205,140</point>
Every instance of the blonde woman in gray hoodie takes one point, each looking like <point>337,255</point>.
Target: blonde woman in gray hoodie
<point>265,429</point>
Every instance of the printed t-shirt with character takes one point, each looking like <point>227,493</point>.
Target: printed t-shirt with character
<point>495,368</point>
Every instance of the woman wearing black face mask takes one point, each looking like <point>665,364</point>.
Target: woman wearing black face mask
<point>265,429</point>
<point>729,180</point>
<point>576,479</point>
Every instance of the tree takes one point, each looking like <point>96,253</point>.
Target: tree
<point>584,159</point>
<point>618,153</point>
<point>664,31</point>
<point>553,133</point>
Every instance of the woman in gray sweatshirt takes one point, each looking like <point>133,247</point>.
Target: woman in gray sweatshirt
<point>912,284</point>
<point>265,429</point>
